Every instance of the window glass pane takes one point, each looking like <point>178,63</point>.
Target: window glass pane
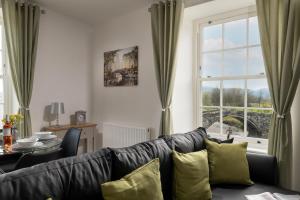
<point>235,33</point>
<point>258,94</point>
<point>211,64</point>
<point>253,31</point>
<point>233,121</point>
<point>1,91</point>
<point>234,93</point>
<point>255,62</point>
<point>1,113</point>
<point>258,123</point>
<point>235,62</point>
<point>1,64</point>
<point>212,37</point>
<point>211,119</point>
<point>1,37</point>
<point>211,93</point>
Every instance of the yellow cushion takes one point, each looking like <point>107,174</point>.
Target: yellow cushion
<point>191,176</point>
<point>228,163</point>
<point>143,183</point>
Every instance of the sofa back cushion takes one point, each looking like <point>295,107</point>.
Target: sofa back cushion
<point>263,168</point>
<point>84,174</point>
<point>71,178</point>
<point>126,160</point>
<point>188,142</point>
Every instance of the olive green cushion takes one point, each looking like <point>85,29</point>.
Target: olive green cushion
<point>142,183</point>
<point>191,176</point>
<point>228,163</point>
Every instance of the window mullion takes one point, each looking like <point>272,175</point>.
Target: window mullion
<point>245,109</point>
<point>246,82</point>
<point>222,82</point>
<point>231,48</point>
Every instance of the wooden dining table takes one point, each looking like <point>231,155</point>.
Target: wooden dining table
<point>9,159</point>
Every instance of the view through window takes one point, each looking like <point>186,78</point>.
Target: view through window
<point>233,95</point>
<point>1,74</point>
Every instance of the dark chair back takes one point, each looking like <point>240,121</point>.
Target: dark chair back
<point>8,162</point>
<point>30,159</point>
<point>70,142</point>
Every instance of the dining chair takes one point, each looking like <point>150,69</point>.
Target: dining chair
<point>70,142</point>
<point>30,159</point>
<point>8,162</point>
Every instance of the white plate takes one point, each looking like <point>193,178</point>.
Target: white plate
<point>49,137</point>
<point>42,135</point>
<point>26,142</point>
<point>18,147</point>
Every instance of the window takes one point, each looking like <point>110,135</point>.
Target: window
<point>8,99</point>
<point>232,89</point>
<point>1,73</point>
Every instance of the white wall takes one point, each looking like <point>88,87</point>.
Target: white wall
<point>183,88</point>
<point>62,68</point>
<point>295,111</point>
<point>138,105</point>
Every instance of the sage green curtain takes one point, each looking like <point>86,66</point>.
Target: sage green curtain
<point>21,24</point>
<point>279,24</point>
<point>166,17</point>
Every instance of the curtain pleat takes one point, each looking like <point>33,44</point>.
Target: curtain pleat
<point>21,24</point>
<point>280,37</point>
<point>166,17</point>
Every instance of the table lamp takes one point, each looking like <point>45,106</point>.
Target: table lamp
<point>56,109</point>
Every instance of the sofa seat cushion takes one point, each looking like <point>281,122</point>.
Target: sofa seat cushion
<point>126,160</point>
<point>235,192</point>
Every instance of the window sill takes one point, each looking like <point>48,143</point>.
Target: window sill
<point>253,145</point>
<point>259,151</point>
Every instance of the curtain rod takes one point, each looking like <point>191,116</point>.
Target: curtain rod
<point>187,3</point>
<point>33,2</point>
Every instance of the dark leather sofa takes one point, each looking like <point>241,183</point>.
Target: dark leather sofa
<point>80,177</point>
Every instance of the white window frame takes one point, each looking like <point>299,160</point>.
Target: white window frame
<point>8,90</point>
<point>255,144</point>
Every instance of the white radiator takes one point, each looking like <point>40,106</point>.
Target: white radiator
<point>117,136</point>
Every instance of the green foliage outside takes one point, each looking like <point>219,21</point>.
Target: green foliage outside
<point>235,97</point>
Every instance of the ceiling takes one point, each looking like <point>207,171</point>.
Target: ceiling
<point>94,11</point>
<point>97,11</point>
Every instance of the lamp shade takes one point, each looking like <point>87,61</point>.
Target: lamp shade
<point>62,108</point>
<point>57,108</point>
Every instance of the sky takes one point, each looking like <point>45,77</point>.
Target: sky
<point>234,60</point>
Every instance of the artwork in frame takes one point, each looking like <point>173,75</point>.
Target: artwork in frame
<point>121,67</point>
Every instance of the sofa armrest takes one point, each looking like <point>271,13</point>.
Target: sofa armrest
<point>263,168</point>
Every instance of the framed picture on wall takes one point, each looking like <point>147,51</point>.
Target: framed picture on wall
<point>121,67</point>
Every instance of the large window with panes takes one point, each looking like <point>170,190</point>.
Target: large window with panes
<point>8,101</point>
<point>232,92</point>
